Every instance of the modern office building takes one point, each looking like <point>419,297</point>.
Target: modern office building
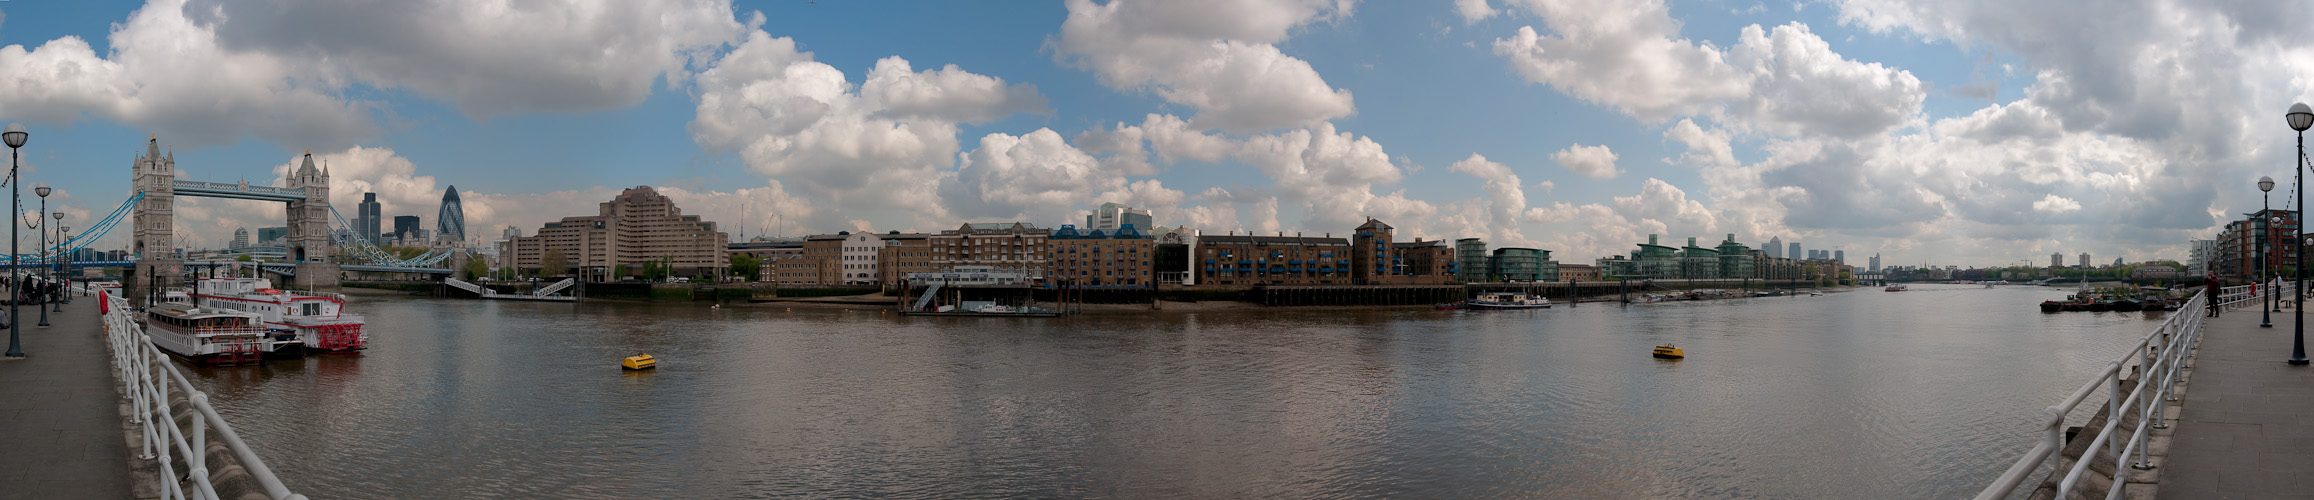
<point>450,221</point>
<point>1840,256</point>
<point>1775,247</point>
<point>406,227</point>
<point>1651,261</point>
<point>1112,216</point>
<point>1472,256</point>
<point>638,226</point>
<point>1521,265</point>
<point>366,224</point>
<point>1795,251</point>
<point>240,238</point>
<point>1736,260</point>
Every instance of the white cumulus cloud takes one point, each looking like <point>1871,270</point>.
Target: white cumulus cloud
<point>1595,162</point>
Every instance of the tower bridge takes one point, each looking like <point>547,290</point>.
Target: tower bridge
<point>315,230</point>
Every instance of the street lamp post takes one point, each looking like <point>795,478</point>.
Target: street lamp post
<point>2266,255</point>
<point>43,191</point>
<point>64,233</point>
<point>58,301</point>
<point>14,136</point>
<point>2301,117</point>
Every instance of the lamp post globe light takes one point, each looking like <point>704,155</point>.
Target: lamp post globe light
<point>14,136</point>
<point>2301,117</point>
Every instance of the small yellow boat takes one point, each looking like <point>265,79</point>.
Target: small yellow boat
<point>1667,351</point>
<point>639,362</point>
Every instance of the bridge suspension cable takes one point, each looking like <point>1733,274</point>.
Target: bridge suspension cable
<point>343,232</point>
<point>86,237</point>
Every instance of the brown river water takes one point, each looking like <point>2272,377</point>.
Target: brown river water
<point>1856,394</point>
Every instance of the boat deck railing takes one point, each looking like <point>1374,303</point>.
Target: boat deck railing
<point>147,374</point>
<point>2159,354</point>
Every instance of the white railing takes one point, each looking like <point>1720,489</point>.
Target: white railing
<point>146,372</point>
<point>2234,296</point>
<point>2161,353</point>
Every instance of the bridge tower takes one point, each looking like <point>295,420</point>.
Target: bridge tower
<point>153,243</point>
<point>310,245</point>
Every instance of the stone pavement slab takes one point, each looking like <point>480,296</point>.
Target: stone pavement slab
<point>60,421</point>
<point>2247,427</point>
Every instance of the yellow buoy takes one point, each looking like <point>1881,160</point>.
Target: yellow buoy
<point>639,362</point>
<point>1667,351</point>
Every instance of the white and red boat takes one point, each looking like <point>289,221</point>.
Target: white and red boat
<point>206,336</point>
<point>291,320</point>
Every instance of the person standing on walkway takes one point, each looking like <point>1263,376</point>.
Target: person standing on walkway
<point>2210,283</point>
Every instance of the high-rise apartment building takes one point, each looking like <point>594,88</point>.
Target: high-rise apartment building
<point>2056,260</point>
<point>371,217</point>
<point>2084,262</point>
<point>1875,262</point>
<point>638,226</point>
<point>450,221</point>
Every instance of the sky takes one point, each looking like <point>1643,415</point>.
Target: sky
<point>1944,132</point>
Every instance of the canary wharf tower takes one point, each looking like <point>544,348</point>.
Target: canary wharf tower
<point>450,224</point>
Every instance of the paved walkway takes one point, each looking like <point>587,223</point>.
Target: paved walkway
<point>2247,428</point>
<point>60,421</point>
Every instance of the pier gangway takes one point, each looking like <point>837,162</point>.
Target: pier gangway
<point>463,285</point>
<point>149,377</point>
<point>556,287</point>
<point>929,293</point>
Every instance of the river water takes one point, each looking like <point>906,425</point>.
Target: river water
<point>1858,394</point>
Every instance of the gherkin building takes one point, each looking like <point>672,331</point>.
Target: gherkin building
<point>450,224</point>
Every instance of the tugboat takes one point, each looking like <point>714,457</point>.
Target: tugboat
<point>1668,351</point>
<point>1507,300</point>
